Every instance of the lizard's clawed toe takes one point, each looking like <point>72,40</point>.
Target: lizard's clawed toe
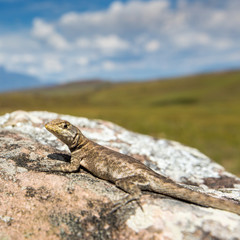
<point>123,202</point>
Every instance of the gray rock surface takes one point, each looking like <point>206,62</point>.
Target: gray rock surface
<point>38,205</point>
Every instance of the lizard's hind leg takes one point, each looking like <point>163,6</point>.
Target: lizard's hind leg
<point>132,185</point>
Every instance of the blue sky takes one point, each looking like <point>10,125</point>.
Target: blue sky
<point>64,40</point>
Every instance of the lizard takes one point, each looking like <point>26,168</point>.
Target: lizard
<point>126,172</point>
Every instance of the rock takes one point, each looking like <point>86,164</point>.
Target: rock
<point>38,205</point>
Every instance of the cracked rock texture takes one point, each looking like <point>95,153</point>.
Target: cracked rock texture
<point>38,205</point>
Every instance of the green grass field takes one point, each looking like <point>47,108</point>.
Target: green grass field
<point>201,111</point>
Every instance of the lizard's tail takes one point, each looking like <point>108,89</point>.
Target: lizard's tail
<point>175,190</point>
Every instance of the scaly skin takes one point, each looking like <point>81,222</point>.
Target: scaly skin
<point>126,172</point>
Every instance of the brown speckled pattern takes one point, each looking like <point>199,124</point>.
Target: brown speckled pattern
<point>126,172</point>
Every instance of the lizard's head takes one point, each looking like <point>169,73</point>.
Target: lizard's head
<point>65,131</point>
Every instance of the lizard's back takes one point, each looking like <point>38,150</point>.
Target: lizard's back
<point>109,164</point>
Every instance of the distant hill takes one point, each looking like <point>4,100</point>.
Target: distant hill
<point>10,81</point>
<point>75,87</point>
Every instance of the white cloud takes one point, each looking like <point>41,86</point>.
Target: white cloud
<point>223,44</point>
<point>111,43</point>
<point>52,64</point>
<point>46,32</point>
<point>152,46</point>
<point>1,58</point>
<point>82,61</point>
<point>58,42</point>
<point>116,7</point>
<point>108,65</point>
<point>127,19</point>
<point>83,42</point>
<point>32,70</point>
<point>23,58</point>
<point>41,29</point>
<point>136,38</point>
<point>190,39</point>
<point>18,42</point>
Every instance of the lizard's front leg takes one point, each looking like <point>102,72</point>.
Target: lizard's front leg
<point>73,166</point>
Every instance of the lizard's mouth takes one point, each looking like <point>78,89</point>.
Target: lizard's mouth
<point>54,130</point>
<point>48,127</point>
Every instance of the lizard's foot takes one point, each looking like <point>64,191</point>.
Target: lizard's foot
<point>125,201</point>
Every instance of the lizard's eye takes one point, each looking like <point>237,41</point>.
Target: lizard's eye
<point>65,126</point>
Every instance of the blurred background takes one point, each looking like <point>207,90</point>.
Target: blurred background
<point>167,68</point>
